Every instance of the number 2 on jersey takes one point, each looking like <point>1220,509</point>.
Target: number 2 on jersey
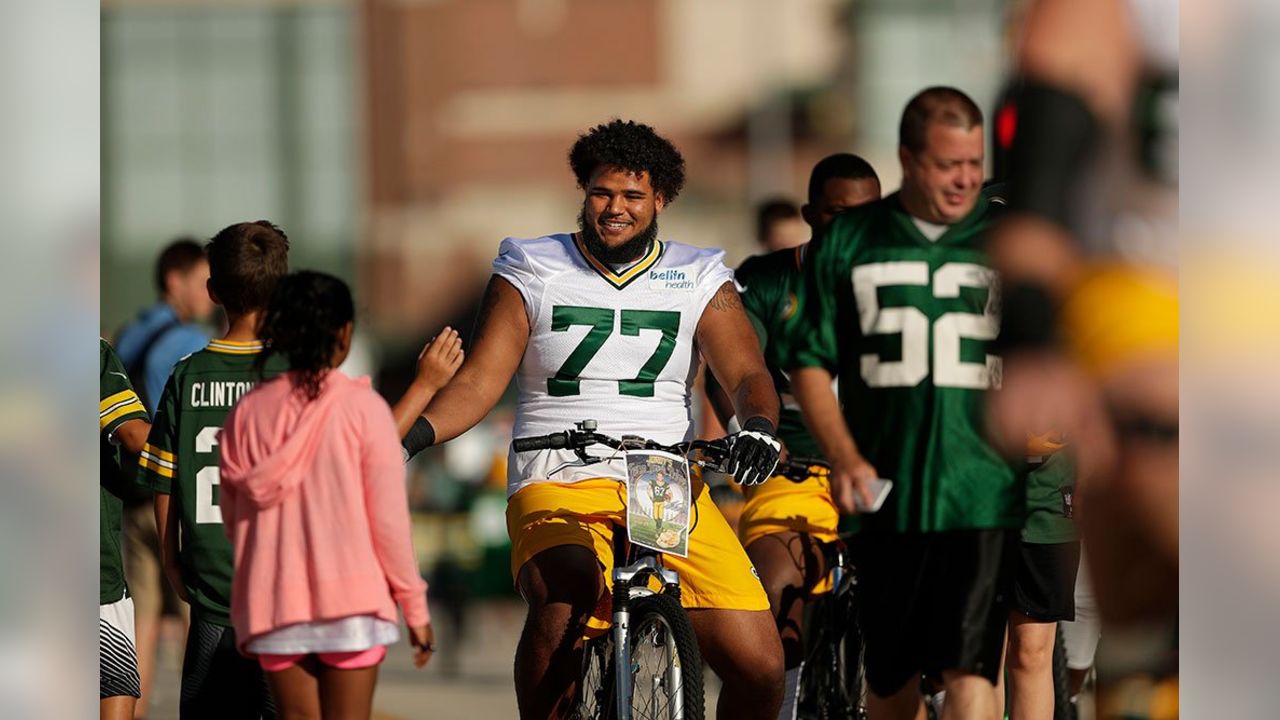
<point>207,511</point>
<point>601,321</point>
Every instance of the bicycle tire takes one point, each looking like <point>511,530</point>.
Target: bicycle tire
<point>1063,708</point>
<point>832,683</point>
<point>595,695</point>
<point>661,637</point>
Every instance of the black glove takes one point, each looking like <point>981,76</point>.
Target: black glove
<point>753,453</point>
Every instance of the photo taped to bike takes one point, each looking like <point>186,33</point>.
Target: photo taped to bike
<point>658,501</point>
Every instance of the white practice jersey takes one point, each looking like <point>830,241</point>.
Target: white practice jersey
<point>614,346</point>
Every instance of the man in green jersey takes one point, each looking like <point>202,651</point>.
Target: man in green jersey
<point>180,463</point>
<point>897,300</point>
<point>782,521</point>
<point>122,422</point>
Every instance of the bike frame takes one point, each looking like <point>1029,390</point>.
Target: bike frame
<point>631,581</point>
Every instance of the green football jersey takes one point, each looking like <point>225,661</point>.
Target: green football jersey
<point>117,405</point>
<point>180,459</point>
<point>905,322</point>
<point>1050,489</point>
<point>768,284</point>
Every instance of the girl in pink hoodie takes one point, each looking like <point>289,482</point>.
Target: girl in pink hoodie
<point>313,500</point>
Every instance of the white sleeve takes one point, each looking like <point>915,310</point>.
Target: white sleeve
<point>514,266</point>
<point>714,273</point>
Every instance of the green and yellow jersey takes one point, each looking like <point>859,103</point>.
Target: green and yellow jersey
<point>117,405</point>
<point>180,459</point>
<point>767,284</point>
<point>905,323</point>
<point>1051,479</point>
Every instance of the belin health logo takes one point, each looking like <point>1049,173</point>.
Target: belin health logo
<point>670,280</point>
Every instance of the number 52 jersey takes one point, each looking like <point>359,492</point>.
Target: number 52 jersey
<point>180,459</point>
<point>615,345</point>
<point>906,323</point>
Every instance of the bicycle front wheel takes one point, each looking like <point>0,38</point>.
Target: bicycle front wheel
<point>666,667</point>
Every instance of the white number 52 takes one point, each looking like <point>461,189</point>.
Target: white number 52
<point>913,325</point>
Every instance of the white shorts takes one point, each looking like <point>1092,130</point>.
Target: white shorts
<point>348,634</point>
<point>117,655</point>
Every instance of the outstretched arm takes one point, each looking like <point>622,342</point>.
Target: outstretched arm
<point>502,333</point>
<point>732,351</point>
<point>437,363</point>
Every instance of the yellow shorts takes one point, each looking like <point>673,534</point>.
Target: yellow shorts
<point>1119,313</point>
<point>779,505</point>
<point>717,573</point>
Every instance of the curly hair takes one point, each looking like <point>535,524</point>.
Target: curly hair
<point>306,313</point>
<point>632,146</point>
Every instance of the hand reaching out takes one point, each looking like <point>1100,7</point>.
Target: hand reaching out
<point>437,363</point>
<point>439,360</point>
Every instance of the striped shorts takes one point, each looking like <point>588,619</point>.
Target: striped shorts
<point>218,683</point>
<point>117,656</point>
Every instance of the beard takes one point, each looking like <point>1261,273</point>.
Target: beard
<point>628,251</point>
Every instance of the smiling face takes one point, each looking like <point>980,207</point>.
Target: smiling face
<point>941,182</point>
<point>619,213</point>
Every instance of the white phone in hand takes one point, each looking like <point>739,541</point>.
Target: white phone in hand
<point>879,491</point>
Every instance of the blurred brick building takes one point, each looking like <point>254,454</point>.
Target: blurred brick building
<point>473,105</point>
<point>398,141</point>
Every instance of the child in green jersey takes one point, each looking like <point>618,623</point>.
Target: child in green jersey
<point>180,463</point>
<point>122,423</point>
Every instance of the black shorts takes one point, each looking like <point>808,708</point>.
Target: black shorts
<point>929,602</point>
<point>218,683</point>
<point>1044,583</point>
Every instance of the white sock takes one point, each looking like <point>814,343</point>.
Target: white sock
<point>790,693</point>
<point>939,699</point>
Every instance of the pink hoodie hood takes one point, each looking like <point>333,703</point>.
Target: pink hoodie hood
<point>288,441</point>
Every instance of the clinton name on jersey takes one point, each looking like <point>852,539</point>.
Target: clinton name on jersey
<point>615,345</point>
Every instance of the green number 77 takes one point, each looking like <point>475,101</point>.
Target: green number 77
<point>601,321</point>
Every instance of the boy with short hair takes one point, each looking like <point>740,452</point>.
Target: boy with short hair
<point>180,463</point>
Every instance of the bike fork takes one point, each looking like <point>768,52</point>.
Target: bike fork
<point>621,650</point>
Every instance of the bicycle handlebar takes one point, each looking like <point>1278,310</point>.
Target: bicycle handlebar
<point>715,452</point>
<point>799,469</point>
<point>554,441</point>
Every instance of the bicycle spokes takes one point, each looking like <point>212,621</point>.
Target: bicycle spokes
<point>655,672</point>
